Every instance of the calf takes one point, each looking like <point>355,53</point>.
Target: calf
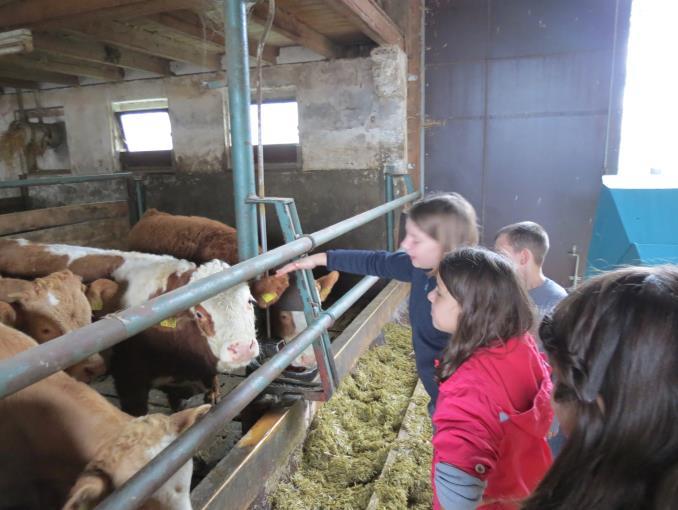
<point>59,434</point>
<point>199,240</point>
<point>47,308</point>
<point>217,335</point>
<point>288,318</point>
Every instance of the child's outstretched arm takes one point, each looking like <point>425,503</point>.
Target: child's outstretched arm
<point>397,266</point>
<point>455,489</point>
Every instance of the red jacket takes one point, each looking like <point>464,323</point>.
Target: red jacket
<point>491,420</point>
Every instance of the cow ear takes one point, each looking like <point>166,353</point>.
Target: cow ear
<point>326,283</point>
<point>100,293</point>
<point>8,315</point>
<point>184,419</point>
<point>13,289</point>
<point>87,492</point>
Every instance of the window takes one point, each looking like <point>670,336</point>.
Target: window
<point>279,123</point>
<point>650,102</point>
<point>144,134</point>
<point>280,133</point>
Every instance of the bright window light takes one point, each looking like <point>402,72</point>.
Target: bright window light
<point>279,122</point>
<point>649,136</point>
<point>147,131</point>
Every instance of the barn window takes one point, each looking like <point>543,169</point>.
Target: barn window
<point>280,131</point>
<point>145,134</point>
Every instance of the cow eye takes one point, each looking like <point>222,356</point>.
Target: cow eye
<point>199,315</point>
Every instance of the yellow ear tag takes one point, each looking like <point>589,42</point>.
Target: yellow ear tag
<point>269,296</point>
<point>97,304</point>
<point>324,293</point>
<point>169,322</point>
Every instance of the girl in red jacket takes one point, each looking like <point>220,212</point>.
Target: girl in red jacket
<point>493,410</point>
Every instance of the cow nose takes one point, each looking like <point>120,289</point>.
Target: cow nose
<point>243,351</point>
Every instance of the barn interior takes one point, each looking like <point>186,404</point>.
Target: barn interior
<point>109,108</point>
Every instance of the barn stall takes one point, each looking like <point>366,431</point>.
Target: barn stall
<point>76,67</point>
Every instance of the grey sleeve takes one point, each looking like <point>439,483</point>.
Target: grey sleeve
<point>455,489</point>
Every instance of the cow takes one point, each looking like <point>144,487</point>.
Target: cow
<point>288,318</point>
<point>49,307</point>
<point>199,240</point>
<point>217,335</point>
<point>62,445</point>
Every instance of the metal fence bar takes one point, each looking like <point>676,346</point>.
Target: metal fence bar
<point>43,360</point>
<point>151,477</point>
<point>49,181</point>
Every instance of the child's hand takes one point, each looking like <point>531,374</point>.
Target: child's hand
<point>319,259</point>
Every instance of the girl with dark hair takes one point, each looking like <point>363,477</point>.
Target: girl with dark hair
<point>613,344</point>
<point>493,412</point>
<point>436,224</point>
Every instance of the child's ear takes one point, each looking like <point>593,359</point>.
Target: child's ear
<point>525,256</point>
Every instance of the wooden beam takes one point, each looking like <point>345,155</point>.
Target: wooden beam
<point>415,84</point>
<point>134,38</point>
<point>187,23</point>
<point>291,27</point>
<point>91,51</point>
<point>371,20</point>
<point>76,69</point>
<point>51,14</point>
<point>22,73</point>
<point>16,41</point>
<point>18,84</point>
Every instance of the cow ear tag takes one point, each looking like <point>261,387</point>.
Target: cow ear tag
<point>170,322</point>
<point>269,296</point>
<point>97,304</point>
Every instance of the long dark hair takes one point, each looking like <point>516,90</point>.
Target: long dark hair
<point>494,305</point>
<point>448,218</point>
<point>614,347</point>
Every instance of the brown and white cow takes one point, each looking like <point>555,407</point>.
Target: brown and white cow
<point>217,335</point>
<point>62,445</point>
<point>288,318</point>
<point>48,307</point>
<point>199,240</point>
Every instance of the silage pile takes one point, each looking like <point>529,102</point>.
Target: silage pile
<point>352,434</point>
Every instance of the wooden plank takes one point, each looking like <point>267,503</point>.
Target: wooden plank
<point>16,41</point>
<point>51,14</point>
<point>371,19</point>
<point>91,51</point>
<point>287,25</point>
<point>22,73</point>
<point>187,24</point>
<point>42,63</point>
<point>133,38</point>
<point>19,84</point>
<point>106,233</point>
<point>26,221</point>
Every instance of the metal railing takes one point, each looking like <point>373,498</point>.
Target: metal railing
<point>136,193</point>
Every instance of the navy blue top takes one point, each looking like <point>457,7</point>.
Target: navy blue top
<point>428,341</point>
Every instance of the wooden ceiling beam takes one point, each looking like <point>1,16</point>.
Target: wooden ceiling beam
<point>21,73</point>
<point>98,53</point>
<point>16,41</point>
<point>371,20</point>
<point>190,25</point>
<point>76,69</point>
<point>134,38</point>
<point>289,26</point>
<point>18,84</point>
<point>51,14</point>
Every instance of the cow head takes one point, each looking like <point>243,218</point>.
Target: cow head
<point>227,321</point>
<point>122,456</point>
<point>288,318</point>
<point>49,307</point>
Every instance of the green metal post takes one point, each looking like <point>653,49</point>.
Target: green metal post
<point>238,76</point>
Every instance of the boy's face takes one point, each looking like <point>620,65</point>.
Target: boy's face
<point>445,310</point>
<point>424,251</point>
<point>520,258</point>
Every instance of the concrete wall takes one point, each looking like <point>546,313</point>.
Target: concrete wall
<point>352,122</point>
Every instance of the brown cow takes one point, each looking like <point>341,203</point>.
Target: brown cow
<point>217,335</point>
<point>199,240</point>
<point>61,443</point>
<point>47,308</point>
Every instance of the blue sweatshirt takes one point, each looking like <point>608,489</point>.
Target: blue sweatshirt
<point>428,341</point>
